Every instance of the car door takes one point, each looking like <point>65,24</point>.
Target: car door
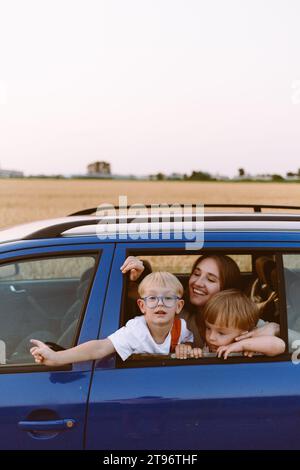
<point>205,404</point>
<point>40,407</point>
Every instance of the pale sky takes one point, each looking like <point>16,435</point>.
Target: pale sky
<point>150,85</point>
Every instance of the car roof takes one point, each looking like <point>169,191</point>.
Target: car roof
<point>84,223</point>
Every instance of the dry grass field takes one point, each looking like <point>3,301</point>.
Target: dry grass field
<point>27,200</point>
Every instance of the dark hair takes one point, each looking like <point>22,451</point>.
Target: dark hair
<point>230,275</point>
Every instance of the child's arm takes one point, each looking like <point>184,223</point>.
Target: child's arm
<point>268,345</point>
<point>88,351</point>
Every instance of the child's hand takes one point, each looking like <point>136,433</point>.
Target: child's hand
<point>183,351</point>
<point>196,353</point>
<point>42,353</point>
<point>233,347</point>
<point>249,353</point>
<point>134,265</point>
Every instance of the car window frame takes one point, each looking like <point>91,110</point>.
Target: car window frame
<point>157,360</point>
<point>65,251</point>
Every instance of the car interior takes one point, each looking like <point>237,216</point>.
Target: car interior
<point>259,282</point>
<point>29,317</point>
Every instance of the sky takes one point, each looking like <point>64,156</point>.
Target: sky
<point>150,85</point>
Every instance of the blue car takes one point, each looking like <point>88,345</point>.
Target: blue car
<point>61,282</point>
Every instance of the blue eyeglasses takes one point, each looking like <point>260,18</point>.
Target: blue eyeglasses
<point>168,300</point>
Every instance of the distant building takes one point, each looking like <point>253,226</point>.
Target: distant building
<point>292,177</point>
<point>244,176</point>
<point>220,177</point>
<point>99,169</point>
<point>263,177</point>
<point>11,174</point>
<point>175,176</point>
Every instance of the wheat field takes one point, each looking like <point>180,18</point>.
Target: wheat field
<point>32,199</point>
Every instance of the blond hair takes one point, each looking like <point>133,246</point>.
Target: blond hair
<point>230,308</point>
<point>161,279</point>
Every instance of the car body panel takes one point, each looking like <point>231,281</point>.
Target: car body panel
<point>232,406</point>
<point>53,396</point>
<point>251,405</point>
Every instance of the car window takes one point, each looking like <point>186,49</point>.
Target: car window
<point>41,298</point>
<point>183,264</point>
<point>291,265</point>
<point>259,282</point>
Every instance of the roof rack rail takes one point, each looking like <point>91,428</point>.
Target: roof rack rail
<point>57,229</point>
<point>255,207</point>
<point>93,210</point>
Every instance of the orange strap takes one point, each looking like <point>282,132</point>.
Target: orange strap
<point>175,334</point>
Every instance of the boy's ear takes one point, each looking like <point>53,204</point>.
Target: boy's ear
<point>179,306</point>
<point>141,305</point>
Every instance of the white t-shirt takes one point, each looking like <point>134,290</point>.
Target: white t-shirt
<point>135,338</point>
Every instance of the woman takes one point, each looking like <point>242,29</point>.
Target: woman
<point>210,274</point>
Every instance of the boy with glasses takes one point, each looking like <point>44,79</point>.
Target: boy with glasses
<point>157,331</point>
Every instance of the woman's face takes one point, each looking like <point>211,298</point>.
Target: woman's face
<point>204,282</point>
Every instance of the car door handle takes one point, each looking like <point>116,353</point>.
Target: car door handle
<point>13,289</point>
<point>53,425</point>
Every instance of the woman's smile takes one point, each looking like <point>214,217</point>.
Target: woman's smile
<point>204,282</point>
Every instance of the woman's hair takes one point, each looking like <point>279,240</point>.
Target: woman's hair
<point>230,308</point>
<point>230,275</point>
<point>161,279</point>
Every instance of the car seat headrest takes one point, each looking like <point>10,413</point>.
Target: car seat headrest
<point>266,271</point>
<point>86,275</point>
<point>293,303</point>
<point>274,280</point>
<point>84,282</point>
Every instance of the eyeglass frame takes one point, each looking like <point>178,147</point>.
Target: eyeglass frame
<point>161,297</point>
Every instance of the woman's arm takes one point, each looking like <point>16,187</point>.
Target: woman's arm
<point>263,329</point>
<point>134,265</point>
<point>268,345</point>
<point>88,351</point>
<point>270,328</point>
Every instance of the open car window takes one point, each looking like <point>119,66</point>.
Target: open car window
<point>259,272</point>
<point>291,272</point>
